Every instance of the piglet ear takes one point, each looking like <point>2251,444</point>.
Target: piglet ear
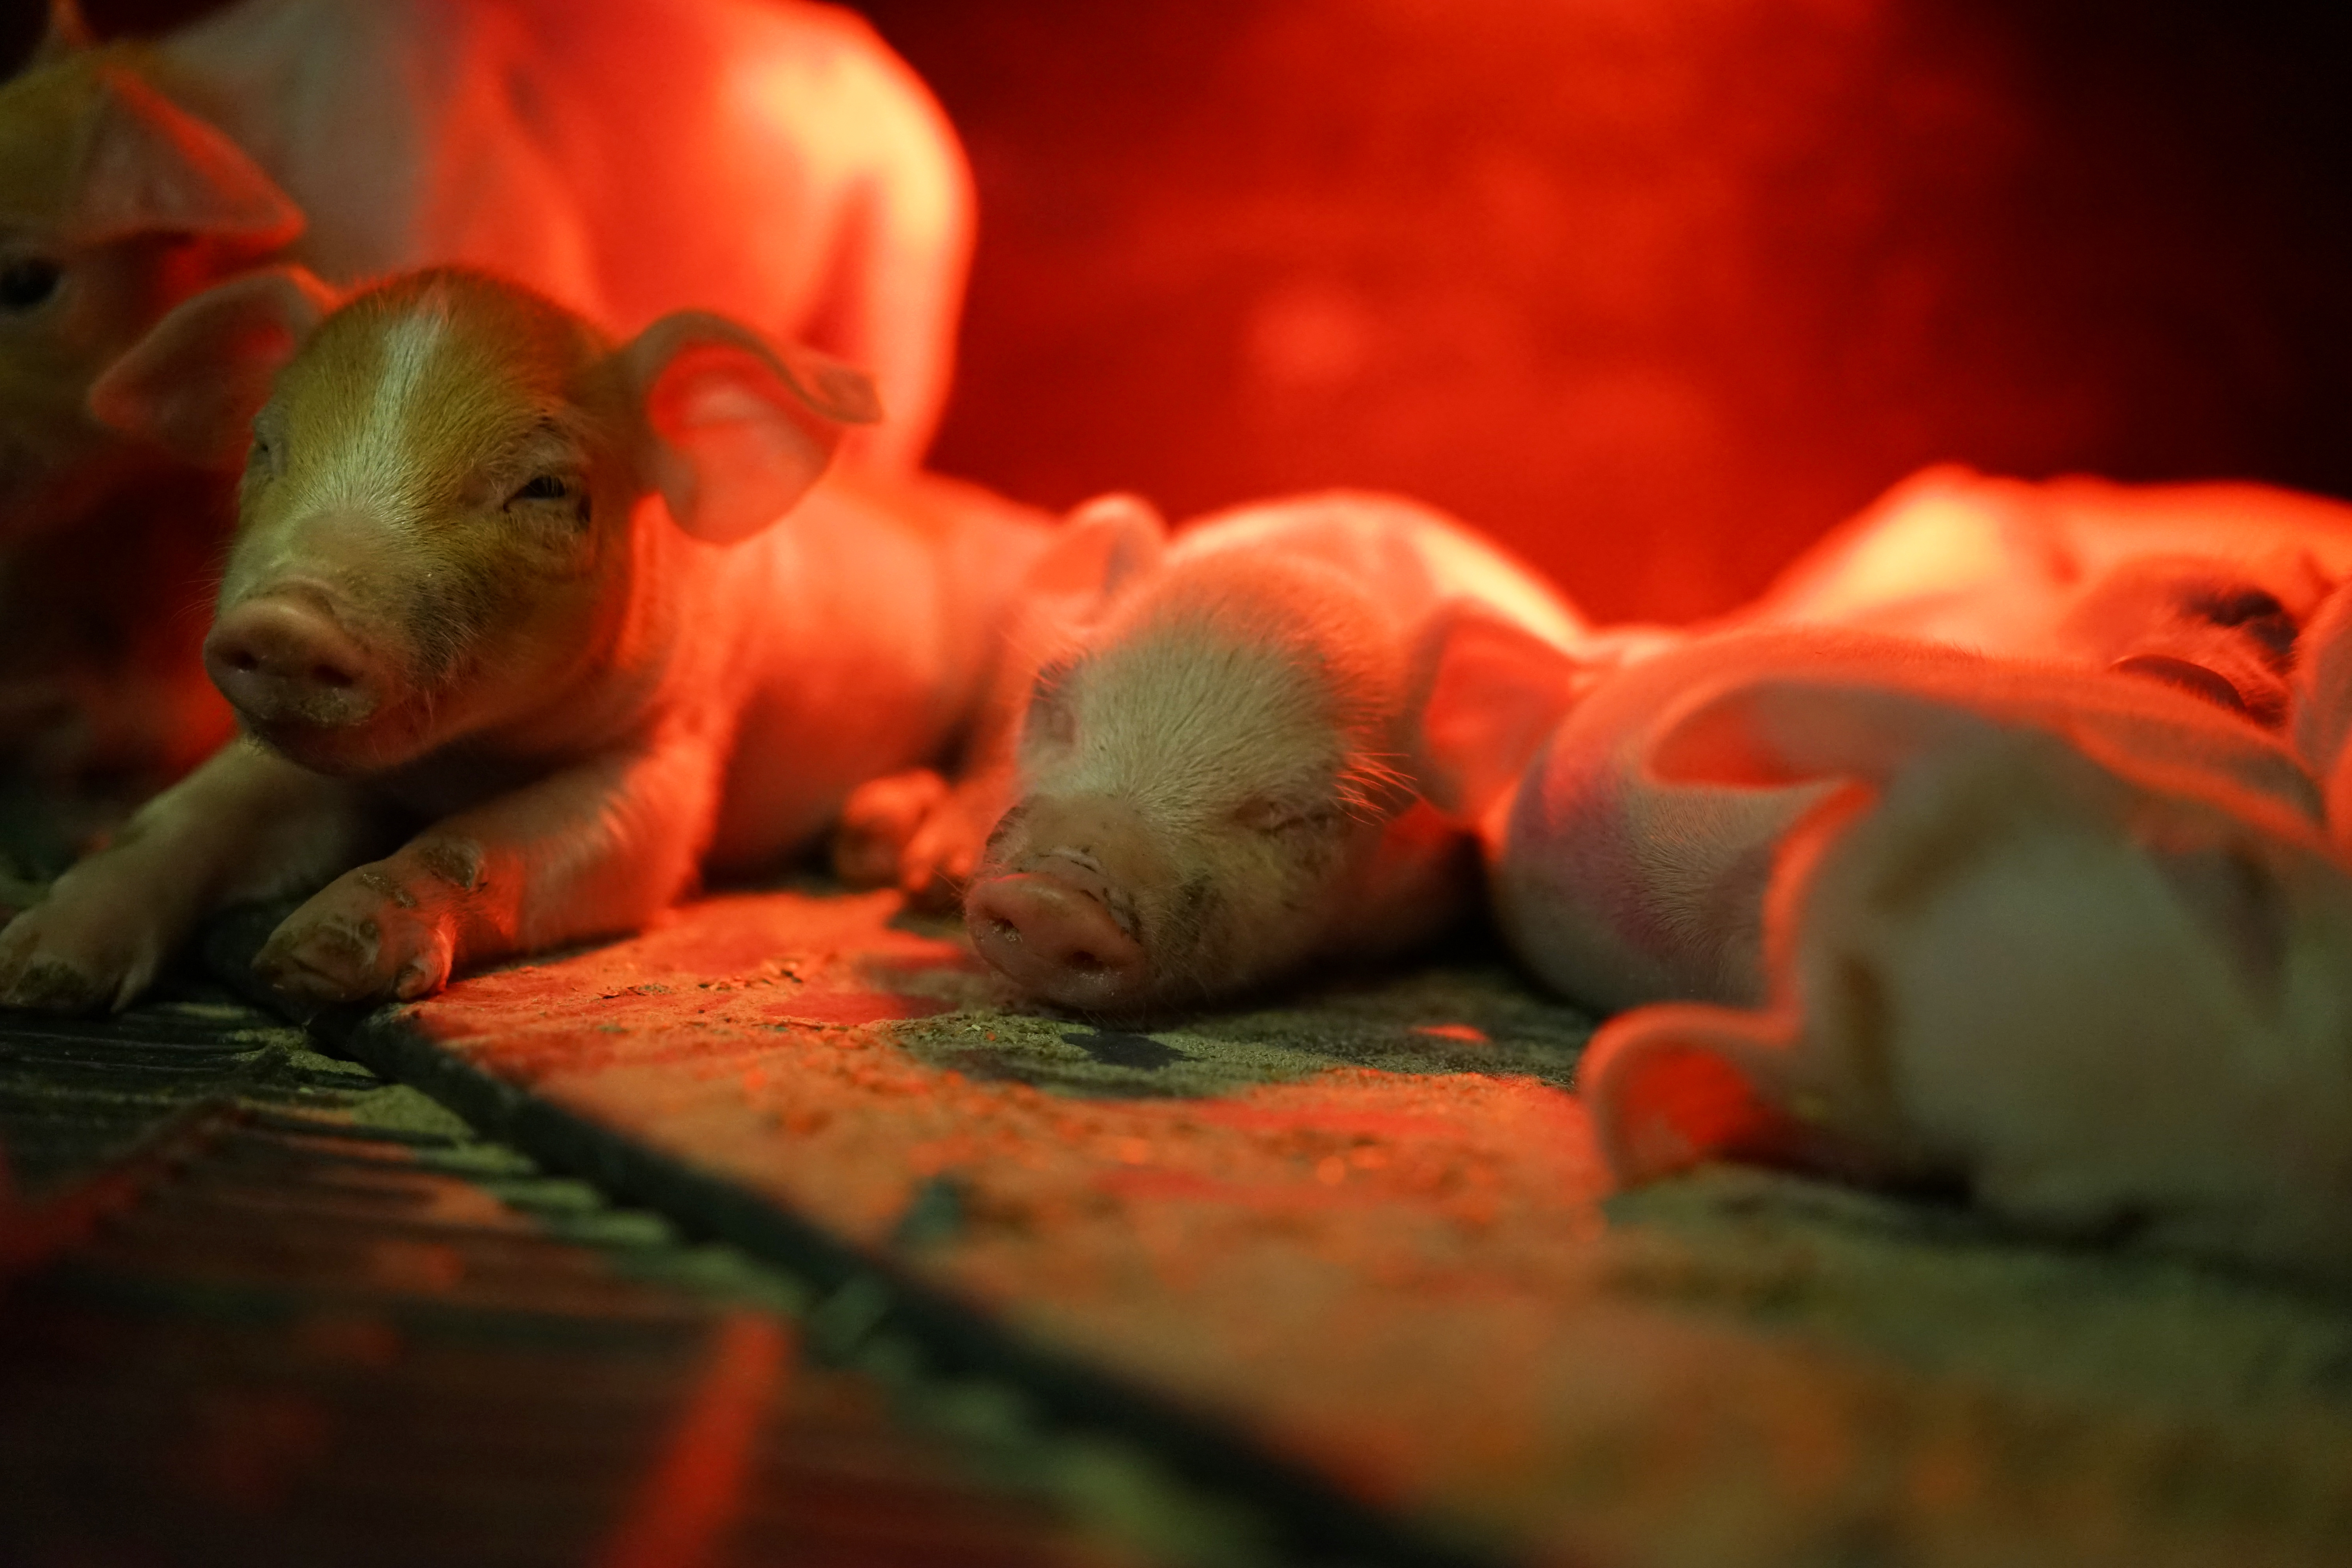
<point>193,384</point>
<point>68,34</point>
<point>1779,730</point>
<point>1680,1083</point>
<point>1105,544</point>
<point>2321,710</point>
<point>150,167</point>
<point>737,428</point>
<point>1490,693</point>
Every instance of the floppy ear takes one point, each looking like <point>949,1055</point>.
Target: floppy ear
<point>193,384</point>
<point>1104,544</point>
<point>2321,707</point>
<point>149,167</point>
<point>1783,730</point>
<point>1677,1084</point>
<point>69,33</point>
<point>736,428</point>
<point>1489,693</point>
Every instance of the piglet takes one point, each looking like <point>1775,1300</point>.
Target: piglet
<point>2203,587</point>
<point>1619,881</point>
<point>1223,757</point>
<point>771,160</point>
<point>516,638</point>
<point>2088,974</point>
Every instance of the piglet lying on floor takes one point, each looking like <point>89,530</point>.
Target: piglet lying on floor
<point>505,602</point>
<point>2203,587</point>
<point>1621,882</point>
<point>1217,759</point>
<point>2091,971</point>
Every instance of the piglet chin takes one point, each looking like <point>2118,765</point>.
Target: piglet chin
<point>1057,941</point>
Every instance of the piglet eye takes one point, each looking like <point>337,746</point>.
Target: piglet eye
<point>542,487</point>
<point>1264,813</point>
<point>29,282</point>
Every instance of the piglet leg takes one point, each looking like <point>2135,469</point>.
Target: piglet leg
<point>919,832</point>
<point>597,849</point>
<point>247,824</point>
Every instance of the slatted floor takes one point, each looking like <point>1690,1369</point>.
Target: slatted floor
<point>260,1306</point>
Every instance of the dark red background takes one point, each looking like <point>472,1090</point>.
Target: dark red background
<point>1656,289</point>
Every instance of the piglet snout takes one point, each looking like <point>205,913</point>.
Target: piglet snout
<point>1057,940</point>
<point>282,661</point>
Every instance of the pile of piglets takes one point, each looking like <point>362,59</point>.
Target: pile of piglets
<point>518,638</point>
<point>769,160</point>
<point>2001,846</point>
<point>2045,902</point>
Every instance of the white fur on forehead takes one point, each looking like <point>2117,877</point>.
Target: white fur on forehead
<point>1220,685</point>
<point>408,387</point>
<point>1308,615</point>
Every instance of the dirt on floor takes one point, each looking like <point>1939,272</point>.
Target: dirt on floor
<point>1364,1230</point>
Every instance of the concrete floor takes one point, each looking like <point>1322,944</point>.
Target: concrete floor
<point>1347,1263</point>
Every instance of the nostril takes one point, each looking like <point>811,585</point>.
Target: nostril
<point>1085,962</point>
<point>1004,930</point>
<point>242,658</point>
<point>333,675</point>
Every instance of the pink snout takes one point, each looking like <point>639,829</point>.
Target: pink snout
<point>282,661</point>
<point>1057,941</point>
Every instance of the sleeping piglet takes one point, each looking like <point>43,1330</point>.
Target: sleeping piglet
<point>1620,881</point>
<point>510,608</point>
<point>1220,758</point>
<point>2202,586</point>
<point>2094,983</point>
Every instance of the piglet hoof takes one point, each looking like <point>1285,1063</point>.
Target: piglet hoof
<point>879,820</point>
<point>353,944</point>
<point>48,967</point>
<point>17,894</point>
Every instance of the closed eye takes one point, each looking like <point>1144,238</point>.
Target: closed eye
<point>542,487</point>
<point>29,282</point>
<point>1269,814</point>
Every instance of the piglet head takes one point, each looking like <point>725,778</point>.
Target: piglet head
<point>459,502</point>
<point>1217,777</point>
<point>2220,628</point>
<point>114,204</point>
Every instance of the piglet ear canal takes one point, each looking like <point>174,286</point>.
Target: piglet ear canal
<point>737,428</point>
<point>1676,1085</point>
<point>193,384</point>
<point>1491,692</point>
<point>1105,544</point>
<point>150,167</point>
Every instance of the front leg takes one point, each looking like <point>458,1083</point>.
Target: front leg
<point>594,850</point>
<point>246,824</point>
